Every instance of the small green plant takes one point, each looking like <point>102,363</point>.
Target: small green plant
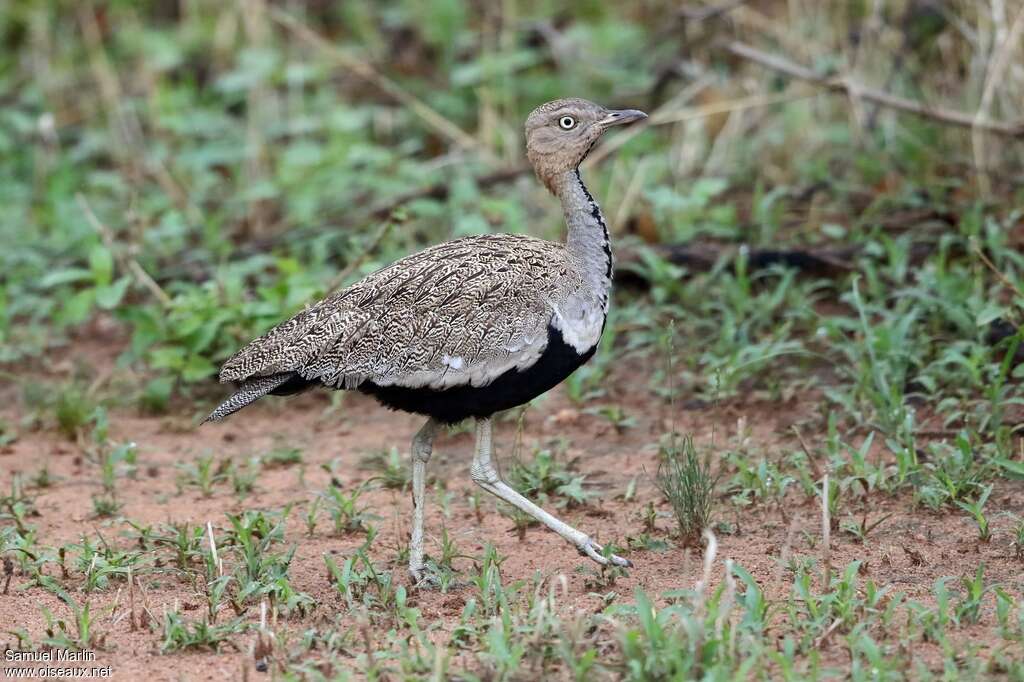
<point>347,514</point>
<point>977,511</point>
<point>262,572</point>
<point>100,563</point>
<point>43,477</point>
<point>392,472</point>
<point>968,610</point>
<point>184,540</point>
<point>105,505</point>
<point>604,576</point>
<point>548,477</point>
<point>281,457</point>
<point>73,409</point>
<point>60,636</point>
<point>8,434</point>
<point>203,474</point>
<point>860,530</point>
<point>17,506</point>
<point>312,513</point>
<point>181,635</point>
<point>1018,539</point>
<point>648,543</point>
<point>614,415</point>
<point>441,571</point>
<point>360,582</point>
<point>687,483</point>
<point>243,476</point>
<point>521,521</point>
<point>121,459</point>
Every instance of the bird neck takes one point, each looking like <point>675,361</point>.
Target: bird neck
<point>588,237</point>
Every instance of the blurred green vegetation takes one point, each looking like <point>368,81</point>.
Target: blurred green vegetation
<point>189,173</point>
<point>178,176</point>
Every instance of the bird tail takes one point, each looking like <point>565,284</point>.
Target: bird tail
<point>249,391</point>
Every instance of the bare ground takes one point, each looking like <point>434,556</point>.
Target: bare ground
<point>907,553</point>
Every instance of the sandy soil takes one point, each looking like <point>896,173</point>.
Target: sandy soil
<point>907,553</point>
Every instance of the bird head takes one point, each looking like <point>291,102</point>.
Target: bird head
<point>560,134</point>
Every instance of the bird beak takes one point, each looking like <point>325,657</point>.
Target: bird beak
<point>622,117</point>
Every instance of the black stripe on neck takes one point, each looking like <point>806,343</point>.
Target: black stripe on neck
<point>595,211</point>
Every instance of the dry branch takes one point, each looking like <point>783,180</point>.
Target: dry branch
<point>126,261</point>
<point>366,71</point>
<point>852,88</point>
<point>440,190</point>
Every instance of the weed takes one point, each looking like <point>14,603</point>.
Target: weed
<point>17,506</point>
<point>359,581</point>
<point>105,506</point>
<point>100,563</point>
<point>977,511</point>
<point>647,542</point>
<point>261,572</point>
<point>442,569</point>
<point>184,540</point>
<point>860,530</point>
<point>281,457</point>
<point>547,477</point>
<point>73,409</point>
<point>1018,539</point>
<point>203,474</point>
<point>614,415</point>
<point>181,635</point>
<point>968,610</point>
<point>392,472</point>
<point>312,509</point>
<point>84,636</point>
<point>243,477</point>
<point>122,459</point>
<point>347,514</point>
<point>685,480</point>
<point>43,478</point>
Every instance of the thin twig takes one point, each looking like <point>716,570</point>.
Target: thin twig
<point>213,550</point>
<point>703,13</point>
<point>787,548</point>
<point>811,461</point>
<point>441,190</point>
<point>993,77</point>
<point>367,72</point>
<point>127,262</point>
<point>631,195</point>
<point>826,535</point>
<point>828,633</point>
<point>995,271</point>
<point>131,600</point>
<point>851,87</point>
<point>664,117</point>
<point>382,232</point>
<point>125,128</point>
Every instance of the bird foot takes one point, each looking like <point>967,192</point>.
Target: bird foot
<point>596,552</point>
<point>423,578</point>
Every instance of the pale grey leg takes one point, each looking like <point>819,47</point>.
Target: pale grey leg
<point>486,477</point>
<point>422,446</point>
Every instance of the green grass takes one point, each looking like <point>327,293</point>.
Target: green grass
<point>175,180</point>
<point>685,480</point>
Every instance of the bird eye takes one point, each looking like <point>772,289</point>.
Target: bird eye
<point>567,122</point>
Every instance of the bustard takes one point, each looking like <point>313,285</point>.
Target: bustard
<point>463,329</point>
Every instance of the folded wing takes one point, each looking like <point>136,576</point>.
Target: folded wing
<point>460,313</point>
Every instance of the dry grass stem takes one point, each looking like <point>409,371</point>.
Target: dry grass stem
<point>848,86</point>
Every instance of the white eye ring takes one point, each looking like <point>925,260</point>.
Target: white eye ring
<point>567,123</point>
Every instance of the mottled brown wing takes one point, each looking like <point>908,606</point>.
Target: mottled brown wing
<point>460,312</point>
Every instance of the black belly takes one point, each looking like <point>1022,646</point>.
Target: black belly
<point>513,388</point>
